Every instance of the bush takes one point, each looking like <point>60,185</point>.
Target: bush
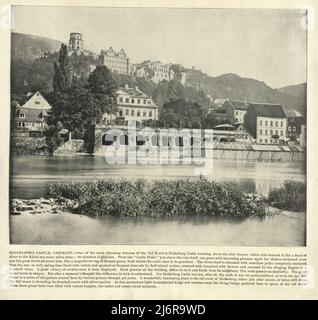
<point>291,196</point>
<point>158,198</point>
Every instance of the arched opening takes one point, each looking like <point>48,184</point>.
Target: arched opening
<point>124,140</point>
<point>155,140</point>
<point>140,140</point>
<point>164,141</point>
<point>108,139</point>
<point>179,141</point>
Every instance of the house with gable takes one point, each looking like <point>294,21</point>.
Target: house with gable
<point>31,116</point>
<point>267,123</point>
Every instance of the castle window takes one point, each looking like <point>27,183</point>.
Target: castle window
<point>271,123</point>
<point>127,112</point>
<point>281,132</point>
<point>281,123</point>
<point>276,123</point>
<point>37,102</point>
<point>294,129</point>
<point>138,113</point>
<point>145,114</point>
<point>132,101</point>
<point>132,113</point>
<point>21,115</point>
<point>138,101</point>
<point>260,131</point>
<point>266,123</point>
<point>144,101</point>
<point>266,132</point>
<point>127,100</point>
<point>271,132</point>
<point>289,128</point>
<point>120,99</point>
<point>261,122</point>
<point>150,113</point>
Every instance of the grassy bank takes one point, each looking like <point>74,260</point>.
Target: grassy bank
<point>291,196</point>
<point>29,146</point>
<point>156,198</point>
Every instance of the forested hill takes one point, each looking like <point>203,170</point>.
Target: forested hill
<point>29,72</point>
<point>298,90</point>
<point>28,47</point>
<point>235,87</point>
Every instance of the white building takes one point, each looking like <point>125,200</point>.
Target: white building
<point>266,122</point>
<point>161,71</point>
<point>133,104</point>
<point>235,109</point>
<point>115,61</point>
<point>32,114</point>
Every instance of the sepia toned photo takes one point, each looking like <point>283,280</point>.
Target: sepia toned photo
<point>158,126</point>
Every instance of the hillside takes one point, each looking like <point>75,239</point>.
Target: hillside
<point>298,90</point>
<point>38,74</point>
<point>27,47</point>
<point>235,87</point>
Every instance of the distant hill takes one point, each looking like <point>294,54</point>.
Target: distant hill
<point>28,47</point>
<point>298,90</point>
<point>235,87</point>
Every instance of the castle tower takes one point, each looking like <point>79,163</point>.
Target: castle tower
<point>75,43</point>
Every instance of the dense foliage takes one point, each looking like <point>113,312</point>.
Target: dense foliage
<point>182,114</point>
<point>158,198</point>
<point>291,196</point>
<point>76,106</point>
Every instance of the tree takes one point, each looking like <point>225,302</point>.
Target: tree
<point>102,87</point>
<point>181,114</point>
<point>213,119</point>
<point>61,71</point>
<point>77,108</point>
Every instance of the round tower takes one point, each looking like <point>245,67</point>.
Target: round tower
<point>75,43</point>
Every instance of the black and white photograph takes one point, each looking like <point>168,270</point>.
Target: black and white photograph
<point>158,126</point>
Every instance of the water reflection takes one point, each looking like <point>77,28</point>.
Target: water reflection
<point>30,175</point>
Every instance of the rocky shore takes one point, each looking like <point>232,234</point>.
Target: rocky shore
<point>39,206</point>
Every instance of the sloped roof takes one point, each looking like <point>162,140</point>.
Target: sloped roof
<point>268,110</point>
<point>239,105</point>
<point>133,92</point>
<point>36,101</point>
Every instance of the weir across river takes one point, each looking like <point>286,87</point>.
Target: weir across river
<point>167,140</point>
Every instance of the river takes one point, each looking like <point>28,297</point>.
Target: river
<point>31,174</point>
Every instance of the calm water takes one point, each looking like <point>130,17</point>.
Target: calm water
<point>67,228</point>
<point>30,176</point>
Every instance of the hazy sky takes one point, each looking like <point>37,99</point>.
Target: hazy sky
<point>268,45</point>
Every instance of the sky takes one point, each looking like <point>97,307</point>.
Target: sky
<point>263,44</point>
